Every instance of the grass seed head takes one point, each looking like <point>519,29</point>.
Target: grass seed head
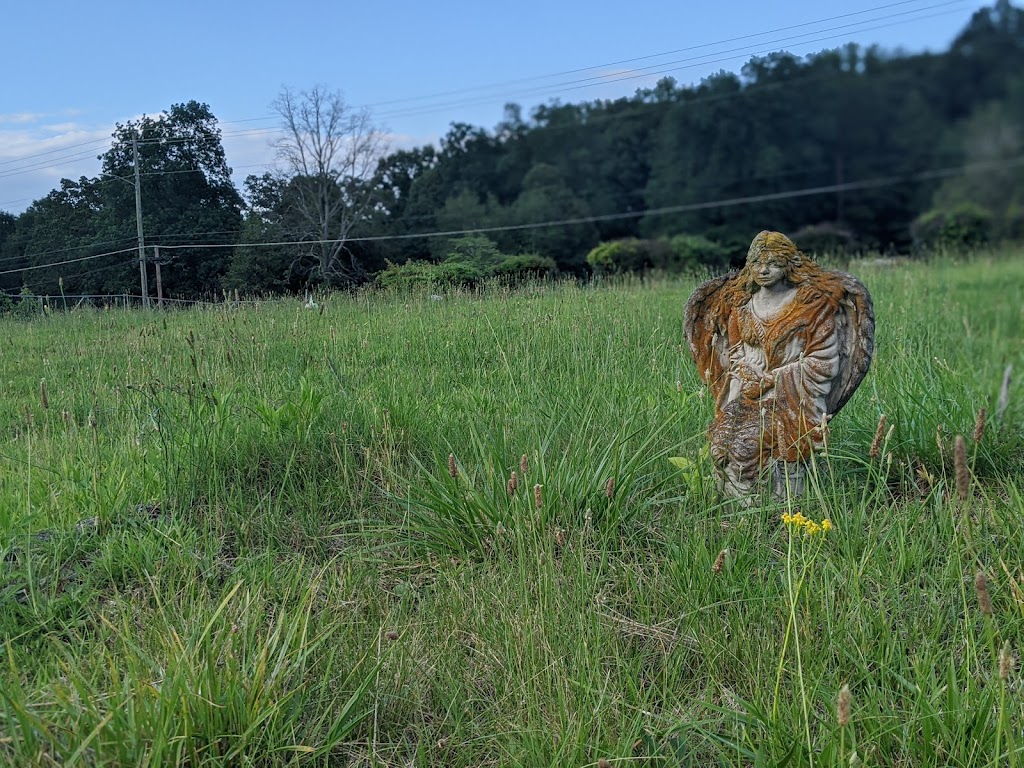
<point>843,706</point>
<point>453,470</point>
<point>42,394</point>
<point>979,425</point>
<point>1005,662</point>
<point>960,471</point>
<point>876,444</point>
<point>981,590</point>
<point>513,483</point>
<point>391,634</point>
<point>538,499</point>
<point>524,464</point>
<point>609,487</point>
<point>720,561</point>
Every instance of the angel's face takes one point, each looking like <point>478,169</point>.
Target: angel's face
<point>768,271</point>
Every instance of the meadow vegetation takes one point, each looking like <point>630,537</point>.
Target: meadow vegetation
<point>395,530</point>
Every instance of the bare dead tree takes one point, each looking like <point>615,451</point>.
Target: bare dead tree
<point>329,152</point>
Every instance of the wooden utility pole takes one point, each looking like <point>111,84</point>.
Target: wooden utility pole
<point>159,283</point>
<point>138,223</point>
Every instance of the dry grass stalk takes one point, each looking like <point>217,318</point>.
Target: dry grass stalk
<point>960,470</point>
<point>938,440</point>
<point>453,469</point>
<point>843,706</point>
<point>609,487</point>
<point>1004,394</point>
<point>876,444</point>
<point>720,561</point>
<point>979,425</point>
<point>981,590</point>
<point>538,499</point>
<point>524,464</point>
<point>42,394</point>
<point>513,483</point>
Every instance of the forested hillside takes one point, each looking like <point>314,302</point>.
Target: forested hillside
<point>852,148</point>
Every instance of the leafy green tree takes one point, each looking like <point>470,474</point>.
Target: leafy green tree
<point>547,197</point>
<point>187,193</point>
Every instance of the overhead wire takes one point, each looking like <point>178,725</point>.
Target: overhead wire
<point>34,267</point>
<point>150,238</point>
<point>580,83</point>
<point>864,184</point>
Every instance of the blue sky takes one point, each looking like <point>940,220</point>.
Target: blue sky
<point>71,70</point>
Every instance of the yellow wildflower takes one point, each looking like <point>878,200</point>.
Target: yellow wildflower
<point>809,527</point>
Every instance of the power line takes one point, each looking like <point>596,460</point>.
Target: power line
<point>850,186</point>
<point>68,261</point>
<point>52,151</point>
<point>65,250</point>
<point>574,84</point>
<point>619,62</point>
<point>722,182</point>
<point>38,166</point>
<point>700,61</point>
<point>865,184</point>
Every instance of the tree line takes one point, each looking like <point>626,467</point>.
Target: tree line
<point>851,149</point>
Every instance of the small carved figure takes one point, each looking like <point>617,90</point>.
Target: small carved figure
<point>782,345</point>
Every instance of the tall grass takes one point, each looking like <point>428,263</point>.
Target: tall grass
<point>275,536</point>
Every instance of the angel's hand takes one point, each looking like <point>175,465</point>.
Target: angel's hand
<point>753,381</point>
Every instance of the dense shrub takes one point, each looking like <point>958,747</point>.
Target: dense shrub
<point>526,266</point>
<point>963,226</point>
<point>629,255</point>
<point>414,274</point>
<point>689,252</point>
<point>826,238</point>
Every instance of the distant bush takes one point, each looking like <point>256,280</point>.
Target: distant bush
<point>629,255</point>
<point>963,226</point>
<point>689,252</point>
<point>1012,224</point>
<point>826,238</point>
<point>477,250</point>
<point>417,274</point>
<point>526,266</point>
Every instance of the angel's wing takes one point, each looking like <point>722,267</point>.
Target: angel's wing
<point>855,327</point>
<point>704,324</point>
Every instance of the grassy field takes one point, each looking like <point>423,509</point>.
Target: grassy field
<point>269,535</point>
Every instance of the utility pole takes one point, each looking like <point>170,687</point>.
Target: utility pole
<point>138,222</point>
<point>159,283</point>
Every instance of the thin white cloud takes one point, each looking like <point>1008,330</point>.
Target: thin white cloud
<point>19,118</point>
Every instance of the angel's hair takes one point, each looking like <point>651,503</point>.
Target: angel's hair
<point>798,267</point>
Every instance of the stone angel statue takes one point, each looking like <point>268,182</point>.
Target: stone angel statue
<point>782,345</point>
